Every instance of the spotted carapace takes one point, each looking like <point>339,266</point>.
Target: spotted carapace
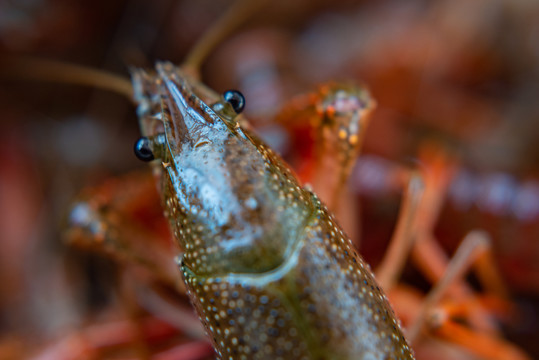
<point>269,271</point>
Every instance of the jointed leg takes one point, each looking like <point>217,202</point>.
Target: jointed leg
<point>433,262</point>
<point>481,339</point>
<point>484,345</point>
<point>122,218</point>
<point>389,270</point>
<point>469,250</point>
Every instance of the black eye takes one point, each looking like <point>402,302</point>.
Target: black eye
<point>143,149</point>
<point>236,99</point>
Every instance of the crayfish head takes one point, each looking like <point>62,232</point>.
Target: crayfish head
<point>232,204</point>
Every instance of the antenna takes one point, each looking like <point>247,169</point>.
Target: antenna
<point>61,72</point>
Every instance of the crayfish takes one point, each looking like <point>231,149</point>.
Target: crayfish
<point>269,269</point>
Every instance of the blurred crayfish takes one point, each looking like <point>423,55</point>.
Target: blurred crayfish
<point>211,169</point>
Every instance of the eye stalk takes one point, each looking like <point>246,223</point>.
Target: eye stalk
<point>236,99</point>
<point>144,149</point>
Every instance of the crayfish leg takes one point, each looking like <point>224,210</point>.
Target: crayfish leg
<point>419,212</point>
<point>484,345</point>
<point>468,251</point>
<point>439,168</point>
<point>122,218</point>
<point>427,254</point>
<point>479,335</point>
<point>400,245</point>
<point>110,339</point>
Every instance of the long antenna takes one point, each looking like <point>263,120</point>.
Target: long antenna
<point>61,72</point>
<point>221,29</point>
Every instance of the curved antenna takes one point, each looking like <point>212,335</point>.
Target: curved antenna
<point>62,72</point>
<point>234,16</point>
